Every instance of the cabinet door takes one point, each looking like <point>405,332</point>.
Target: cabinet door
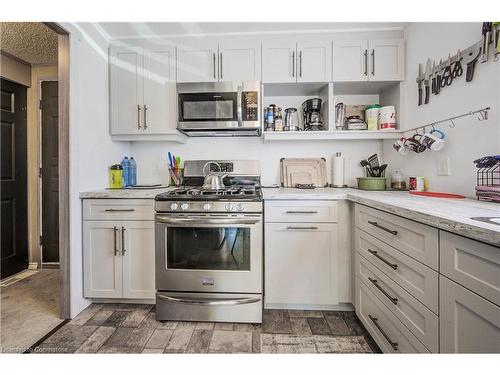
<point>102,262</point>
<point>314,62</point>
<point>126,88</point>
<point>159,90</point>
<point>386,59</point>
<point>197,62</point>
<point>138,254</point>
<point>239,60</point>
<point>279,61</point>
<point>350,60</point>
<point>468,322</point>
<point>300,263</point>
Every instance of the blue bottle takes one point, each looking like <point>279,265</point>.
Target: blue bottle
<point>126,171</point>
<point>133,172</point>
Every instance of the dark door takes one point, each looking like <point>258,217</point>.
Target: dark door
<point>14,212</point>
<point>50,173</point>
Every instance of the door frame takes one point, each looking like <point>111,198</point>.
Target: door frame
<point>63,62</point>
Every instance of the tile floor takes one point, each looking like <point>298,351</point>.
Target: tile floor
<point>128,328</point>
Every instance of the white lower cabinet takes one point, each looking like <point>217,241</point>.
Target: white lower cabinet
<point>468,322</point>
<point>300,263</point>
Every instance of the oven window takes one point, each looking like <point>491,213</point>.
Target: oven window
<point>208,107</point>
<point>208,248</point>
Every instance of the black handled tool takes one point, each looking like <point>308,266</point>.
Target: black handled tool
<point>420,78</point>
<point>470,60</point>
<point>427,80</point>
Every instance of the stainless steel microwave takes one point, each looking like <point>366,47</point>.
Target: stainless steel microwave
<point>219,108</point>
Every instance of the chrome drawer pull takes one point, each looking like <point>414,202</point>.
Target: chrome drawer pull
<point>392,265</point>
<point>208,301</point>
<point>375,224</point>
<point>123,241</point>
<point>392,299</point>
<point>301,212</point>
<point>392,343</point>
<point>303,228</point>
<point>119,210</point>
<point>115,230</point>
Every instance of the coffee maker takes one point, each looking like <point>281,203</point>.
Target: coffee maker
<point>311,110</point>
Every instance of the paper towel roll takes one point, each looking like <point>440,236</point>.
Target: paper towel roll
<point>338,170</point>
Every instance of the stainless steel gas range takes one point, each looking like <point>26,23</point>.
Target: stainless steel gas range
<point>209,246</point>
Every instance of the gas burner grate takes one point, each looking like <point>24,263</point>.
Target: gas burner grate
<point>231,191</point>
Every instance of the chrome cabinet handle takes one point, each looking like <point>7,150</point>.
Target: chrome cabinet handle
<point>301,212</point>
<point>373,62</point>
<point>209,301</point>
<point>375,282</point>
<point>300,66</point>
<point>119,210</point>
<point>145,117</point>
<point>123,241</point>
<point>171,220</point>
<point>138,116</point>
<point>392,343</point>
<point>214,66</point>
<point>375,253</point>
<point>293,63</point>
<point>366,62</point>
<point>375,224</point>
<point>220,63</point>
<point>115,230</point>
<point>299,228</point>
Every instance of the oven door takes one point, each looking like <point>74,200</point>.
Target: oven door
<point>209,253</point>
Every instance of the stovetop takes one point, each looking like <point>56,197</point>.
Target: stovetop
<point>197,193</point>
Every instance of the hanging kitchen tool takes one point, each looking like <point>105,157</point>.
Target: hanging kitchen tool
<point>447,77</point>
<point>470,60</point>
<point>485,46</point>
<point>420,80</point>
<point>427,80</point>
<point>457,66</point>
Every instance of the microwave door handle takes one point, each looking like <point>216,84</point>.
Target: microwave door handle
<point>239,106</point>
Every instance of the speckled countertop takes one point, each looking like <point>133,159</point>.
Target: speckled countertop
<point>123,193</point>
<point>453,215</point>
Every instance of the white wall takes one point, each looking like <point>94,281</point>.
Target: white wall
<point>91,149</point>
<point>151,157</point>
<point>470,138</point>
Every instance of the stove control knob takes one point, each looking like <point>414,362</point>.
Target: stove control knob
<point>229,207</point>
<point>184,206</point>
<point>207,206</point>
<point>240,206</point>
<point>174,206</point>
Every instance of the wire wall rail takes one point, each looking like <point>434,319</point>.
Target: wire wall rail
<point>483,115</point>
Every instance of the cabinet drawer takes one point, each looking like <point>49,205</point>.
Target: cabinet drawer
<point>118,209</point>
<point>389,333</point>
<point>417,279</point>
<point>472,264</point>
<point>301,211</point>
<point>421,321</point>
<point>414,239</point>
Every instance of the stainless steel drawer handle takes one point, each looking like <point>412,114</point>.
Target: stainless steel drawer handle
<point>375,224</point>
<point>392,343</point>
<point>392,265</point>
<point>209,301</point>
<point>115,230</point>
<point>301,212</point>
<point>119,210</point>
<point>375,282</point>
<point>123,241</point>
<point>301,228</point>
<point>171,220</point>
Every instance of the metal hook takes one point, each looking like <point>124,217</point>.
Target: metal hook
<point>432,126</point>
<point>452,125</point>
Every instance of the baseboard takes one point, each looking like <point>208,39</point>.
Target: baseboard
<point>123,300</point>
<point>33,265</point>
<point>294,306</point>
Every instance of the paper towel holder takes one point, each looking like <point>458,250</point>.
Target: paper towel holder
<point>338,155</point>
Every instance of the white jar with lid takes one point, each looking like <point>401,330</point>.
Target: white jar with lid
<point>387,117</point>
<point>398,180</point>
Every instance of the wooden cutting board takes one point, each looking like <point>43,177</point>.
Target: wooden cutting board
<point>303,171</point>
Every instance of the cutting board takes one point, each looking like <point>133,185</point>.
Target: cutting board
<point>303,171</point>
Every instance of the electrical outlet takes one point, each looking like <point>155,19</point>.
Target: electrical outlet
<point>156,169</point>
<point>443,167</point>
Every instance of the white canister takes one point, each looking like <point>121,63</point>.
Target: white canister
<point>371,116</point>
<point>387,117</point>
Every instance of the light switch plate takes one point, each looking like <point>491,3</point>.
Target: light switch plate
<point>443,167</point>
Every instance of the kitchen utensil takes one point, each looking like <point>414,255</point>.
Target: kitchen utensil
<point>433,140</point>
<point>438,78</point>
<point>420,79</point>
<point>387,117</point>
<point>381,170</point>
<point>291,119</point>
<point>437,194</point>
<point>371,183</point>
<point>427,80</point>
<point>496,40</point>
<point>433,84</point>
<point>485,45</point>
<point>339,116</point>
<point>457,66</point>
<point>401,147</point>
<point>369,171</point>
<point>170,160</point>
<point>373,160</point>
<point>447,77</point>
<point>214,180</point>
<point>470,60</point>
<point>303,171</point>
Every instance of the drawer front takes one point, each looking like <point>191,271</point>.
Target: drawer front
<point>389,333</point>
<point>417,279</point>
<point>421,321</point>
<point>414,239</point>
<point>301,211</point>
<point>118,209</point>
<point>472,264</point>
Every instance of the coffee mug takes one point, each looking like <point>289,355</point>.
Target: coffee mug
<point>413,143</point>
<point>433,142</point>
<point>401,147</point>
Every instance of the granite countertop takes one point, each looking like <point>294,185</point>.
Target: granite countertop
<point>123,193</point>
<point>452,215</point>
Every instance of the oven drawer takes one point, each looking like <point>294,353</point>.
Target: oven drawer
<point>422,322</point>
<point>417,279</point>
<point>414,239</point>
<point>212,307</point>
<point>307,211</point>
<point>389,333</point>
<point>118,209</point>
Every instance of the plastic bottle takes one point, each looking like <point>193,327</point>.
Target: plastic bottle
<point>133,172</point>
<point>126,171</point>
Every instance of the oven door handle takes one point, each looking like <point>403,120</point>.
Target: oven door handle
<point>210,302</point>
<point>172,220</point>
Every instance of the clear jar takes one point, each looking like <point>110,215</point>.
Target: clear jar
<point>398,180</point>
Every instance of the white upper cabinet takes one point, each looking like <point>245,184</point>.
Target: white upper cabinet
<point>279,61</point>
<point>386,59</point>
<point>368,60</point>
<point>314,61</point>
<point>197,61</point>
<point>239,60</point>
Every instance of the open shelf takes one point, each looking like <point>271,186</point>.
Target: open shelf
<point>330,135</point>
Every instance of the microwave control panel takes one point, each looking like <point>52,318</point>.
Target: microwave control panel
<point>250,105</point>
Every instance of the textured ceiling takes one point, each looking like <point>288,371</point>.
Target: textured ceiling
<point>32,42</point>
